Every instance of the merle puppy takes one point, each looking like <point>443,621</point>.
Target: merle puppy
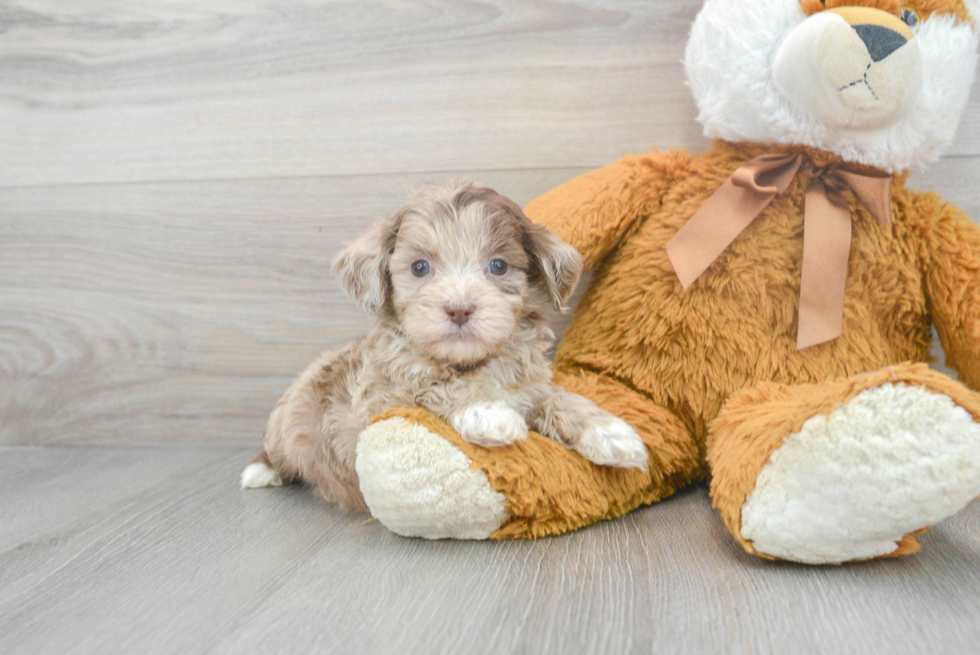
<point>458,282</point>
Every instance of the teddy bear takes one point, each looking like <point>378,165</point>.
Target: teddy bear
<point>761,313</point>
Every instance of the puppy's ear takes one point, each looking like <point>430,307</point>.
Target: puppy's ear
<point>362,267</point>
<point>557,264</point>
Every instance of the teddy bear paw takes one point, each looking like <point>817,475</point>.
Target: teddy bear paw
<point>849,486</point>
<point>418,484</point>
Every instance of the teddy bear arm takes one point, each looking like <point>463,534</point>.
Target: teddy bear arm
<point>595,211</point>
<point>951,260</point>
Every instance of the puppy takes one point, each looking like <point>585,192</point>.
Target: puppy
<point>457,281</point>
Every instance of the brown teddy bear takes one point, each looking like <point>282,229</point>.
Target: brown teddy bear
<point>761,313</point>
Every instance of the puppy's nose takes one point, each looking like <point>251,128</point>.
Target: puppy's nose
<point>880,40</point>
<point>459,314</point>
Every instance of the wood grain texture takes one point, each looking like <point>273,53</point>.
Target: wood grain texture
<point>139,90</point>
<point>179,312</point>
<point>108,91</point>
<point>155,550</point>
<point>176,177</point>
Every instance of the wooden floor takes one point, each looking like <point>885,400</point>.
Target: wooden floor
<point>175,178</point>
<point>153,550</point>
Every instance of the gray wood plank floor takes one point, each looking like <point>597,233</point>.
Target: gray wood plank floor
<point>155,550</point>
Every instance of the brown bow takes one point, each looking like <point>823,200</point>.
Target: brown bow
<point>826,230</point>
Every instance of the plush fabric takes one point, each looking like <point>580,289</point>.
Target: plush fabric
<point>400,461</point>
<point>755,421</point>
<point>550,489</point>
<point>743,102</point>
<point>837,452</point>
<point>667,361</point>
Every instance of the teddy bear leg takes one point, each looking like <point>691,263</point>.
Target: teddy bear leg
<point>845,470</point>
<point>421,479</point>
<point>674,459</point>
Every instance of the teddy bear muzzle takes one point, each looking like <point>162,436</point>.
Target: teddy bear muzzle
<point>851,67</point>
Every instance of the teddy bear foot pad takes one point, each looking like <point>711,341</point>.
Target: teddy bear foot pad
<point>892,461</point>
<point>420,485</point>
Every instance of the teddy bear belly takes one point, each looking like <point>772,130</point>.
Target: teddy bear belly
<point>689,351</point>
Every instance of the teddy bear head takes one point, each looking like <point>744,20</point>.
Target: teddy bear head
<point>877,82</point>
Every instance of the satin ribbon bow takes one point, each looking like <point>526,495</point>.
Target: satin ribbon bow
<point>826,230</point>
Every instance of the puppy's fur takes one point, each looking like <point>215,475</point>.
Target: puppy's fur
<point>458,281</point>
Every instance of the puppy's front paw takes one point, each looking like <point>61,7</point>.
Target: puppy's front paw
<point>490,424</point>
<point>613,443</point>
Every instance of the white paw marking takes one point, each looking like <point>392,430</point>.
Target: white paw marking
<point>490,424</point>
<point>849,486</point>
<point>258,475</point>
<point>614,443</point>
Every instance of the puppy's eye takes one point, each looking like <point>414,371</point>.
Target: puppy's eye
<point>910,18</point>
<point>421,268</point>
<point>498,267</point>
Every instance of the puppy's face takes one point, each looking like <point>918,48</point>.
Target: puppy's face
<point>459,268</point>
<point>460,280</point>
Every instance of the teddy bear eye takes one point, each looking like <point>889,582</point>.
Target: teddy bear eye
<point>421,268</point>
<point>498,267</point>
<point>910,18</point>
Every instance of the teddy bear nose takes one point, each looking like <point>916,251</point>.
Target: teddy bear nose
<point>880,40</point>
<point>459,314</point>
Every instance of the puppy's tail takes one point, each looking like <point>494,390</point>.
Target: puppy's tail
<point>260,473</point>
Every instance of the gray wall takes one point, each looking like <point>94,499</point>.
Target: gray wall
<point>175,180</point>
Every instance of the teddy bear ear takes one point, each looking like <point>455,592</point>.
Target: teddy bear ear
<point>557,264</point>
<point>362,267</point>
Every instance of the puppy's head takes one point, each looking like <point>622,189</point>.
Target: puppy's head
<point>460,268</point>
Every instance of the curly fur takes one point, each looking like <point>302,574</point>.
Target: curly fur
<point>486,373</point>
